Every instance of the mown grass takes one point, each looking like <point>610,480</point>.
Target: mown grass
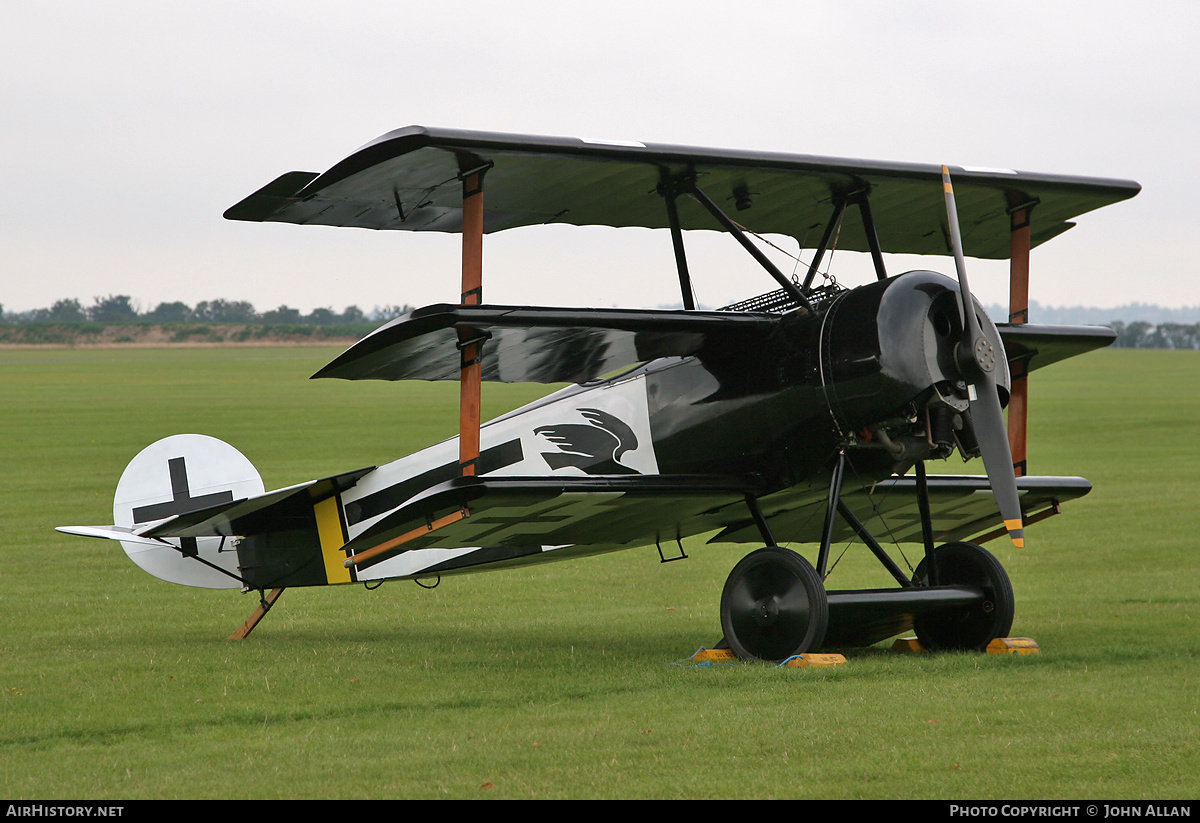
<point>568,680</point>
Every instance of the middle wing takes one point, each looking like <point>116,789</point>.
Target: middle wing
<point>1040,345</point>
<point>539,345</point>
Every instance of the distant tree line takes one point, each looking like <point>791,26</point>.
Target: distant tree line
<point>1145,326</point>
<point>1143,335</point>
<point>1091,316</point>
<point>119,308</point>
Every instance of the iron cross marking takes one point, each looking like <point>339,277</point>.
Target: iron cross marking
<point>181,502</point>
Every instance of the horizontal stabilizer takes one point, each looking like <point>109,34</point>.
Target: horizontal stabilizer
<point>1039,346</point>
<point>540,345</point>
<point>264,513</point>
<point>121,533</point>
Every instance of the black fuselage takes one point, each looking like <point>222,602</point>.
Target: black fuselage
<point>862,369</point>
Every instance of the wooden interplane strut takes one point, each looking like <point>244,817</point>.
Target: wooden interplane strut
<point>470,341</point>
<point>1018,314</point>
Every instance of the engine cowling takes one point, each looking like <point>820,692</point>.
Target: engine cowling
<point>889,365</point>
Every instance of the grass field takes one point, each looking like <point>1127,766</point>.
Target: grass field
<point>568,680</point>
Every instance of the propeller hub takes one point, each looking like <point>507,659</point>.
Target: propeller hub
<point>976,359</point>
<point>985,354</point>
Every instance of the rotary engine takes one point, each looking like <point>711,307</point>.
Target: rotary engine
<point>891,355</point>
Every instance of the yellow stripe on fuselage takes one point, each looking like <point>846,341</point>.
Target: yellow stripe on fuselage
<point>329,530</point>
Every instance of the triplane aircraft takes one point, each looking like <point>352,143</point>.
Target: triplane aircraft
<point>793,417</point>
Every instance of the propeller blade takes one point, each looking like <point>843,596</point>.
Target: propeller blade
<point>966,304</point>
<point>977,358</point>
<point>992,435</point>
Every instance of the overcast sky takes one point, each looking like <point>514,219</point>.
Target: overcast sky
<point>129,127</point>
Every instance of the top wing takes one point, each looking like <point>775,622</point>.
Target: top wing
<point>409,179</point>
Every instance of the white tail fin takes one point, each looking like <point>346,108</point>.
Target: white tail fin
<point>179,474</point>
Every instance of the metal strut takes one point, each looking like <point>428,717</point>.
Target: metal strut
<point>836,504</point>
<point>194,555</point>
<point>835,220</point>
<point>670,190</point>
<point>926,523</point>
<point>760,520</point>
<point>835,494</point>
<point>860,199</point>
<point>785,283</point>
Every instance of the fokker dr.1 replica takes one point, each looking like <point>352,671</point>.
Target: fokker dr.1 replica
<point>793,417</point>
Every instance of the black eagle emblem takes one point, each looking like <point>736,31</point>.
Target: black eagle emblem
<point>596,449</point>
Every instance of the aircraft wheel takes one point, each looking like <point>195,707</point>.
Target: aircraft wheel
<point>967,627</point>
<point>773,606</point>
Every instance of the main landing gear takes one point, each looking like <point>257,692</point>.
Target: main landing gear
<point>775,605</point>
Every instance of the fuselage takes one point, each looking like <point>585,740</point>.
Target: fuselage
<point>861,372</point>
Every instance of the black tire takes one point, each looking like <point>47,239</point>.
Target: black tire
<point>773,606</point>
<point>966,627</point>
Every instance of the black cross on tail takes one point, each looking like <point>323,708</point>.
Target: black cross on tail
<point>181,502</point>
